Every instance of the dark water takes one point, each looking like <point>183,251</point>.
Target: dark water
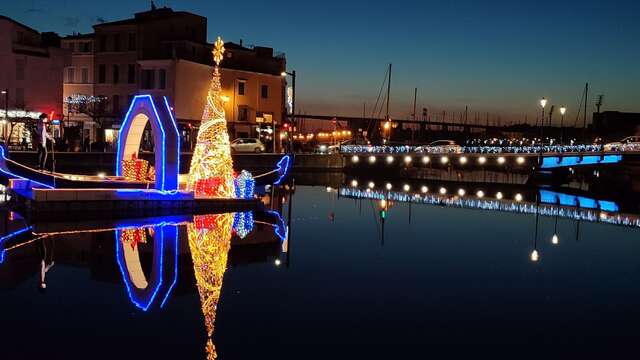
<point>432,278</point>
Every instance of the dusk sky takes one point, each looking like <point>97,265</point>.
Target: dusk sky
<point>494,56</point>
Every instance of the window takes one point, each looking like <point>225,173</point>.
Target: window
<point>85,47</point>
<point>116,74</point>
<point>20,98</point>
<point>72,46</point>
<point>71,75</point>
<point>264,91</point>
<point>241,86</point>
<point>131,73</point>
<point>116,104</point>
<point>243,113</point>
<point>162,79</point>
<point>116,42</point>
<point>20,63</point>
<point>102,43</point>
<point>85,75</point>
<point>102,74</point>
<point>132,42</point>
<point>148,79</point>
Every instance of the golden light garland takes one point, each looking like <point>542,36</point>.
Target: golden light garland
<point>209,243</point>
<point>211,172</point>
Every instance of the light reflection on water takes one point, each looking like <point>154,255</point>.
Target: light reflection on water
<point>229,285</point>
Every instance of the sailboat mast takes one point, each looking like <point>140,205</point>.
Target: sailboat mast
<point>388,91</point>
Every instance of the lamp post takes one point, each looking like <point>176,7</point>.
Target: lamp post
<point>543,103</point>
<point>293,105</point>
<point>5,92</point>
<point>563,110</point>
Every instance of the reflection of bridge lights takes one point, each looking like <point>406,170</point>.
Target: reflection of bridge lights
<point>383,203</point>
<point>520,160</point>
<point>461,192</point>
<point>424,189</point>
<point>329,188</point>
<point>482,160</point>
<point>372,159</point>
<point>389,159</point>
<point>555,239</point>
<point>355,159</point>
<point>444,159</point>
<point>102,175</point>
<point>499,195</point>
<point>426,159</point>
<point>406,187</point>
<point>407,159</point>
<point>535,256</point>
<point>480,194</point>
<point>463,160</point>
<point>388,186</point>
<point>443,191</point>
<point>501,160</point>
<point>518,197</point>
<point>371,185</point>
<point>354,182</point>
<point>277,262</point>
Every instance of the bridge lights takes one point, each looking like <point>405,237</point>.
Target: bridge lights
<point>520,160</point>
<point>480,194</point>
<point>501,160</point>
<point>499,195</point>
<point>406,187</point>
<point>389,186</point>
<point>354,183</point>
<point>426,159</point>
<point>482,160</point>
<point>444,159</point>
<point>355,159</point>
<point>371,185</point>
<point>407,159</point>
<point>555,240</point>
<point>443,191</point>
<point>424,189</point>
<point>461,192</point>
<point>389,159</point>
<point>372,159</point>
<point>518,197</point>
<point>463,160</point>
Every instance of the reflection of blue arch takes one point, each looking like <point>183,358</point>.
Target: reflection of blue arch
<point>143,109</point>
<point>143,292</point>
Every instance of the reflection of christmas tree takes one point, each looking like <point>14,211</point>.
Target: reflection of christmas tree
<point>209,242</point>
<point>211,173</point>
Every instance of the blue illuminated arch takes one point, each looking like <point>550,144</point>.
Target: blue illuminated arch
<point>143,109</point>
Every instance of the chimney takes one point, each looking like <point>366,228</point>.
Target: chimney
<point>240,42</point>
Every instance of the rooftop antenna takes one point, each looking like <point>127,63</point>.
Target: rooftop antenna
<point>153,5</point>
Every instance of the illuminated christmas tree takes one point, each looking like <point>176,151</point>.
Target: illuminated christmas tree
<point>209,243</point>
<point>211,172</point>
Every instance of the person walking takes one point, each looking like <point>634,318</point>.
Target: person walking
<point>41,140</point>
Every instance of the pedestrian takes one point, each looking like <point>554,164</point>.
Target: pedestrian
<point>41,139</point>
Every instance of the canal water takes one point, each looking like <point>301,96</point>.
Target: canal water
<point>319,273</point>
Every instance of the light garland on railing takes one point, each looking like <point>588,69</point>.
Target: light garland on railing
<point>211,172</point>
<point>78,99</point>
<point>583,214</point>
<point>532,149</point>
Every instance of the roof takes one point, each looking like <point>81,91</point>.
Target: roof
<point>147,16</point>
<point>79,36</point>
<point>2,17</point>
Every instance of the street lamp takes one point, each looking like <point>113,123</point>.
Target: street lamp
<point>543,103</point>
<point>293,102</point>
<point>563,110</point>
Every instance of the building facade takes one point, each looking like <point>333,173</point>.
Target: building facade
<point>31,68</point>
<point>165,52</point>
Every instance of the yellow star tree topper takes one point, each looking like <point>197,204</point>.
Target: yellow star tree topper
<point>211,172</point>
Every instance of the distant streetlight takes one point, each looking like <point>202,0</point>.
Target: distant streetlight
<point>543,103</point>
<point>563,110</point>
<point>293,100</point>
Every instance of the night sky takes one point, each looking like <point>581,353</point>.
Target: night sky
<point>494,56</point>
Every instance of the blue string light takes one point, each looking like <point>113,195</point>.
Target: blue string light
<point>9,236</point>
<point>283,168</point>
<point>10,174</point>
